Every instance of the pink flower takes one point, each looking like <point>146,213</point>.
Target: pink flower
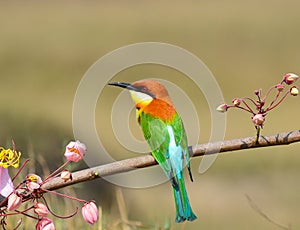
<point>258,119</point>
<point>294,91</point>
<point>45,224</point>
<point>280,87</point>
<point>236,101</point>
<point>33,182</point>
<point>222,108</point>
<point>14,202</point>
<point>41,209</point>
<point>75,151</point>
<point>6,185</point>
<point>31,186</point>
<point>90,212</point>
<point>66,175</point>
<point>256,92</point>
<point>290,78</point>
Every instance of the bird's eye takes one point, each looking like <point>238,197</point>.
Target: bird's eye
<point>144,89</point>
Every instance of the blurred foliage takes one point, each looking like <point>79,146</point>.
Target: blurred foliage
<point>46,47</point>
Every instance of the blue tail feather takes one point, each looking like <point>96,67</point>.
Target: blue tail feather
<point>183,208</point>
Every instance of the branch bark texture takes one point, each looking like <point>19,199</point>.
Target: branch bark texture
<point>195,151</point>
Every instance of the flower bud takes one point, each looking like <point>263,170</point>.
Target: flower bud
<point>222,108</point>
<point>258,119</point>
<point>31,186</point>
<point>294,91</point>
<point>14,202</point>
<point>90,212</point>
<point>236,101</point>
<point>280,87</point>
<point>45,224</point>
<point>41,209</point>
<point>290,78</point>
<point>66,175</point>
<point>75,151</point>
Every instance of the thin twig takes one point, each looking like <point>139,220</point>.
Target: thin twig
<point>196,150</point>
<point>245,103</point>
<point>282,98</point>
<point>100,218</point>
<point>263,214</point>
<point>122,208</point>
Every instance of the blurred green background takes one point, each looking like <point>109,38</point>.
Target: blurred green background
<point>46,47</point>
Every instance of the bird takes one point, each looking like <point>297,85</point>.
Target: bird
<point>164,131</point>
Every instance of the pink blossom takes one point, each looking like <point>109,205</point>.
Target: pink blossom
<point>279,87</point>
<point>90,212</point>
<point>236,101</point>
<point>45,224</point>
<point>41,209</point>
<point>14,202</point>
<point>258,119</point>
<point>33,182</point>
<point>294,91</point>
<point>32,186</point>
<point>75,151</point>
<point>290,78</point>
<point>222,108</point>
<point>6,185</point>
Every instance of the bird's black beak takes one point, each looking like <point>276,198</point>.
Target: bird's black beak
<point>123,85</point>
<point>133,88</point>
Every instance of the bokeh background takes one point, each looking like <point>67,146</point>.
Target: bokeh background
<point>47,46</point>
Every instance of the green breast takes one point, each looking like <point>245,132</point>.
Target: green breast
<point>156,132</point>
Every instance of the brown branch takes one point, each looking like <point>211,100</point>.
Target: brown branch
<point>196,150</point>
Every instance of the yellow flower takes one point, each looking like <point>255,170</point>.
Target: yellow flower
<point>9,157</point>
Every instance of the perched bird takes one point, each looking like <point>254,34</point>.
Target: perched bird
<point>163,129</point>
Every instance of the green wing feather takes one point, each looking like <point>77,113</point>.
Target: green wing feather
<point>161,140</point>
<point>156,133</point>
